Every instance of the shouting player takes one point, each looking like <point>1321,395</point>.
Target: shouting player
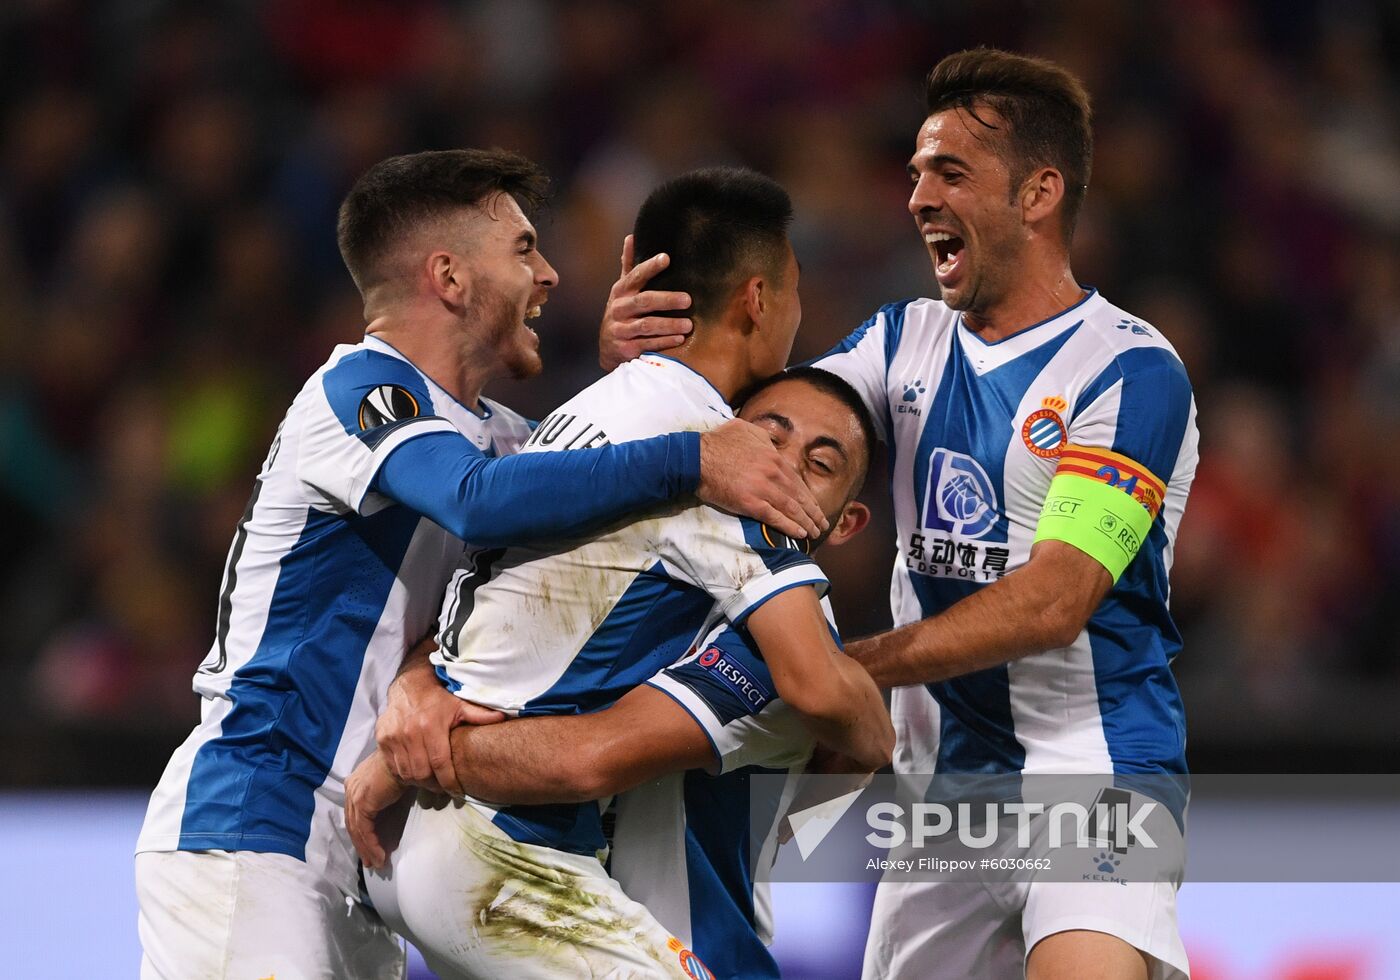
<point>1044,442</point>
<point>569,626</point>
<point>381,468</point>
<point>687,740</point>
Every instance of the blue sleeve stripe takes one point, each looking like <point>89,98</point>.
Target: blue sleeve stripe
<point>719,757</point>
<point>1153,410</point>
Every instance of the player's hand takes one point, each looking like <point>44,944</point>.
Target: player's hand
<point>414,730</point>
<point>370,790</point>
<point>742,473</point>
<point>630,327</point>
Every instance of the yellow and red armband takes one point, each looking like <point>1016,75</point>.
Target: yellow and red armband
<point>1101,502</point>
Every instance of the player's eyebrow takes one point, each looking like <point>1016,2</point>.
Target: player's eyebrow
<point>832,442</point>
<point>939,160</point>
<point>781,421</point>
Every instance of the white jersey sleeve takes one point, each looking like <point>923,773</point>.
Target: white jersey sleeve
<point>369,404</point>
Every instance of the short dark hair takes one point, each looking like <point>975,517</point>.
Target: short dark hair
<point>718,225</point>
<point>396,194</point>
<point>1046,109</point>
<point>835,386</point>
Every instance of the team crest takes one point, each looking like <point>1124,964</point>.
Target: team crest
<point>386,404</point>
<point>690,963</point>
<point>1044,431</point>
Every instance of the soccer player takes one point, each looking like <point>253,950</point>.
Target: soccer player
<point>1044,442</point>
<point>570,625</point>
<point>381,468</point>
<point>688,739</point>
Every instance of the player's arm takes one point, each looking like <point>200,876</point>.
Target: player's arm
<point>371,433</point>
<point>545,759</point>
<point>1041,606</point>
<point>833,694</point>
<point>498,502</point>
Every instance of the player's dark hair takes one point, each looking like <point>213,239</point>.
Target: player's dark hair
<point>719,226</point>
<point>1046,110</point>
<point>833,385</point>
<point>395,195</point>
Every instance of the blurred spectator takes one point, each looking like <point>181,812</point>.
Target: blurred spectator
<point>169,177</point>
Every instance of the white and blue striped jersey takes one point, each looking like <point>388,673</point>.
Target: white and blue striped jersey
<point>683,844</point>
<point>976,431</point>
<point>327,584</point>
<point>569,626</point>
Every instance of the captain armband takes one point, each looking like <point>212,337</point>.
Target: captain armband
<point>1101,502</point>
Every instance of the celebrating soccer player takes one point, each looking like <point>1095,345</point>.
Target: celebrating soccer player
<point>571,625</point>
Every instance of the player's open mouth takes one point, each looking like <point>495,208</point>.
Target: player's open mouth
<point>532,313</point>
<point>948,250</point>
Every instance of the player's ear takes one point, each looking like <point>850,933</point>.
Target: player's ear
<point>852,521</point>
<point>1041,194</point>
<point>448,279</point>
<point>755,299</point>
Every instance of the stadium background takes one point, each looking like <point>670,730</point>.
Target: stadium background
<point>169,175</point>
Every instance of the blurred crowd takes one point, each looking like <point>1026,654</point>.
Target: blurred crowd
<point>170,172</point>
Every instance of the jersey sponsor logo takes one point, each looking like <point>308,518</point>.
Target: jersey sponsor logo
<point>1116,470</point>
<point>735,677</point>
<point>387,404</point>
<point>960,497</point>
<point>943,557</point>
<point>1044,431</point>
<point>777,539</point>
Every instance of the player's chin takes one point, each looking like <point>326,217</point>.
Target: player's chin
<point>526,364</point>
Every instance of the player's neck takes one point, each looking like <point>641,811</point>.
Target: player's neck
<point>1035,299</point>
<point>439,353</point>
<point>716,362</point>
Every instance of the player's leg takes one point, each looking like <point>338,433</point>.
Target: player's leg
<point>479,904</point>
<point>960,929</point>
<point>220,914</point>
<point>1103,929</point>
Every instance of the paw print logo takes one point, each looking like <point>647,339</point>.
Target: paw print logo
<point>1134,326</point>
<point>912,390</point>
<point>1106,862</point>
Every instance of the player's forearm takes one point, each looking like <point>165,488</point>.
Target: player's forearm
<point>525,761</point>
<point>844,712</point>
<point>499,502</point>
<point>1039,607</point>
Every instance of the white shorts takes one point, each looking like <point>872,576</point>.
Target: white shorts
<point>972,929</point>
<point>240,915</point>
<point>478,904</point>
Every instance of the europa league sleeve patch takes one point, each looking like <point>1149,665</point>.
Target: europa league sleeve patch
<point>386,405</point>
<point>777,539</point>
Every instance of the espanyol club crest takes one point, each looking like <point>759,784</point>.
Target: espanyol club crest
<point>960,497</point>
<point>1043,431</point>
